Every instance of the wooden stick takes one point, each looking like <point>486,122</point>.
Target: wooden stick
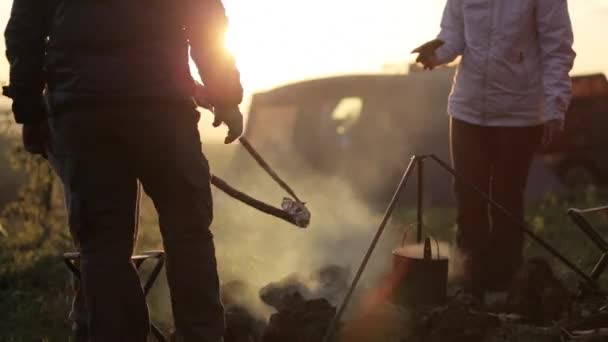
<point>250,201</point>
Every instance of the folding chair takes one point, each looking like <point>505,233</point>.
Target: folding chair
<point>577,216</point>
<point>70,260</point>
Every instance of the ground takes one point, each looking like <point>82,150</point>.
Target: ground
<point>33,280</point>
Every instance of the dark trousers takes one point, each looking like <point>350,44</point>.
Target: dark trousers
<point>105,151</point>
<point>497,161</point>
<point>78,312</point>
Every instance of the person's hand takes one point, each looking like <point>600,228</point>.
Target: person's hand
<point>426,54</point>
<point>550,131</point>
<point>429,62</point>
<point>233,118</point>
<point>36,138</point>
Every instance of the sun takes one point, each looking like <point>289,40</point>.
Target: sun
<point>274,41</point>
<point>279,41</point>
<point>257,71</point>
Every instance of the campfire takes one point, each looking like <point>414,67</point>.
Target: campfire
<point>303,305</point>
<point>413,303</point>
<point>538,307</point>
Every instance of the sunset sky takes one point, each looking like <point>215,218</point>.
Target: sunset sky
<point>277,41</point>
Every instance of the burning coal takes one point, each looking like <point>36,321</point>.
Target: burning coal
<point>329,282</point>
<point>301,303</point>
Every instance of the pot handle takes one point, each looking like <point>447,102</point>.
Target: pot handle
<point>407,230</point>
<point>404,236</point>
<point>436,244</point>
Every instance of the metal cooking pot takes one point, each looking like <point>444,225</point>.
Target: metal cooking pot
<point>420,279</point>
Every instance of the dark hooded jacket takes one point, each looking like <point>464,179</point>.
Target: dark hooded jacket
<point>85,52</point>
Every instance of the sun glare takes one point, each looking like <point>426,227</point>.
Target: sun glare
<point>277,41</point>
<point>231,42</point>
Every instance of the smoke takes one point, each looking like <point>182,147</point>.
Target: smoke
<point>329,282</point>
<point>255,250</point>
<point>260,250</point>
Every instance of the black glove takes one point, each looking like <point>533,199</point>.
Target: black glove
<point>230,115</point>
<point>36,138</point>
<point>233,118</point>
<point>27,109</point>
<point>426,53</point>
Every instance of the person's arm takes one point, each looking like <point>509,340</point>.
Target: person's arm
<point>26,35</point>
<point>555,36</point>
<point>452,33</point>
<point>206,25</point>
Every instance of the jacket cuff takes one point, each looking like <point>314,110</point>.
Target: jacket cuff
<point>443,55</point>
<point>447,52</point>
<point>225,92</point>
<point>554,112</point>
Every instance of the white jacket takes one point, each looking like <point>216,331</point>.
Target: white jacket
<point>516,57</point>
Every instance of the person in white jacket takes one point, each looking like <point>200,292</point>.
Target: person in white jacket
<point>509,96</point>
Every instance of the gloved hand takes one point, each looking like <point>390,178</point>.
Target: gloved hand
<point>233,118</point>
<point>426,54</point>
<point>36,138</point>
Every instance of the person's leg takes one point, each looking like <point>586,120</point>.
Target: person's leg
<point>471,149</point>
<point>102,192</point>
<point>516,147</point>
<point>175,174</point>
<point>78,315</point>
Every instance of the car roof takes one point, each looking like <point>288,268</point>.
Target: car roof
<point>322,85</point>
<point>345,84</point>
<point>589,86</point>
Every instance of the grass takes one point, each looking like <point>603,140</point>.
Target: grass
<point>34,296</point>
<point>549,220</point>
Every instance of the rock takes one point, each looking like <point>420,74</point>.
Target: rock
<point>329,282</point>
<point>242,325</point>
<point>280,294</point>
<point>299,320</point>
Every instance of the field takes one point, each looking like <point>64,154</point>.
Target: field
<point>34,285</point>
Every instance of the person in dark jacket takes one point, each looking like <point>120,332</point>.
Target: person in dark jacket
<point>120,90</point>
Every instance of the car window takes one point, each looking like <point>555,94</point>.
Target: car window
<point>325,127</point>
<point>346,114</point>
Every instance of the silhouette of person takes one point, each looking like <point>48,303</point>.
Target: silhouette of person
<point>120,91</point>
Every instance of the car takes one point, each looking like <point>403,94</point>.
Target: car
<point>363,130</point>
<point>579,156</point>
